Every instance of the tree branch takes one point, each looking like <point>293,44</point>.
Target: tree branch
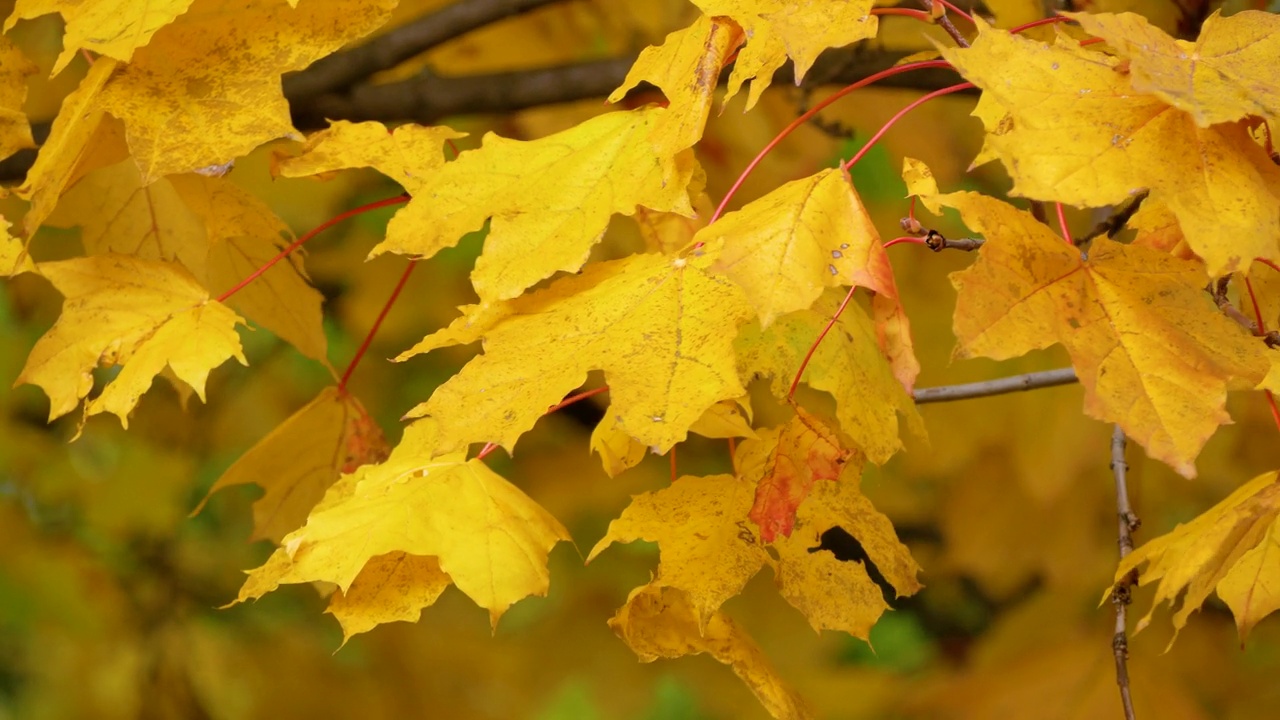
<point>999,386</point>
<point>1120,595</point>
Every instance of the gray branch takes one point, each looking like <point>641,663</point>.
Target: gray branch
<point>999,386</point>
<point>1120,594</point>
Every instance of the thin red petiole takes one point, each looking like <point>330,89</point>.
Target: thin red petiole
<point>814,347</point>
<point>1037,23</point>
<point>814,111</point>
<point>1268,263</point>
<point>905,239</point>
<point>1262,328</point>
<point>957,10</point>
<point>920,15</point>
<point>898,116</point>
<point>377,323</point>
<point>1062,223</point>
<point>314,231</point>
<point>490,447</point>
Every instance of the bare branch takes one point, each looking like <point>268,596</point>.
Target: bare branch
<point>999,386</point>
<point>1120,595</point>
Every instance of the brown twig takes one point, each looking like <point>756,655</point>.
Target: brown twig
<point>999,386</point>
<point>1120,594</point>
<point>1218,291</point>
<point>939,11</point>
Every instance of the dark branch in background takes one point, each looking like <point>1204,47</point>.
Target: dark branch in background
<point>1120,594</point>
<point>999,386</point>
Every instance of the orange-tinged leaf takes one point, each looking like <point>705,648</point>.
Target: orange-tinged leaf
<point>893,334</point>
<point>781,28</point>
<point>809,234</point>
<point>406,154</point>
<point>848,364</point>
<point>705,546</point>
<point>687,67</point>
<point>490,538</point>
<point>660,622</point>
<point>657,326</point>
<point>601,167</point>
<point>1080,134</point>
<point>391,588</point>
<point>298,460</point>
<point>1151,350</point>
<point>1228,73</point>
<point>104,27</point>
<point>1224,548</point>
<point>806,452</point>
<point>140,314</point>
<point>15,129</point>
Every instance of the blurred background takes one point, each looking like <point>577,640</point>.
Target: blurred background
<point>110,594</point>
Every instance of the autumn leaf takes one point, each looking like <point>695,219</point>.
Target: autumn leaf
<point>686,66</point>
<point>104,27</point>
<point>654,324</point>
<point>1227,74</point>
<point>1079,133</point>
<point>1230,547</point>
<point>15,68</point>
<point>408,154</point>
<point>391,588</point>
<point>1151,349</point>
<point>659,622</point>
<point>602,167</point>
<point>298,460</point>
<point>619,451</point>
<point>488,536</point>
<point>14,259</point>
<point>806,452</point>
<point>140,314</point>
<point>789,245</point>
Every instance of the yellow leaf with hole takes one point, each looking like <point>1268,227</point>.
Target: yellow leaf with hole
<point>103,27</point>
<point>601,167</point>
<point>139,314</point>
<point>1231,547</point>
<point>1226,74</point>
<point>298,460</point>
<point>1080,133</point>
<point>490,538</point>
<point>789,245</point>
<point>655,325</point>
<point>660,622</point>
<point>1151,349</point>
<point>687,67</point>
<point>408,154</point>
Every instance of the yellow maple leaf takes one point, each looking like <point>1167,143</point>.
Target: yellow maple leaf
<point>705,546</point>
<point>1151,349</point>
<point>806,452</point>
<point>490,538</point>
<point>601,167</point>
<point>299,459</point>
<point>140,314</point>
<point>1230,547</point>
<point>848,364</point>
<point>781,28</point>
<point>391,588</point>
<point>1226,74</point>
<point>105,27</point>
<point>216,230</point>
<point>14,259</point>
<point>687,67</point>
<point>1079,133</point>
<point>406,154</point>
<point>659,327</point>
<point>659,622</point>
<point>15,129</point>
<point>809,234</point>
<point>619,451</point>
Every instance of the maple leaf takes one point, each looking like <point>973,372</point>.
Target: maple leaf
<point>848,364</point>
<point>656,325</point>
<point>205,90</point>
<point>104,27</point>
<point>781,28</point>
<point>1228,73</point>
<point>391,588</point>
<point>216,230</point>
<point>14,259</point>
<point>408,154</point>
<point>490,538</point>
<point>1231,547</point>
<point>139,314</point>
<point>299,459</point>
<point>619,451</point>
<point>809,234</point>
<point>537,228</point>
<point>15,68</point>
<point>1151,350</point>
<point>659,621</point>
<point>686,66</point>
<point>1077,132</point>
<point>806,452</point>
